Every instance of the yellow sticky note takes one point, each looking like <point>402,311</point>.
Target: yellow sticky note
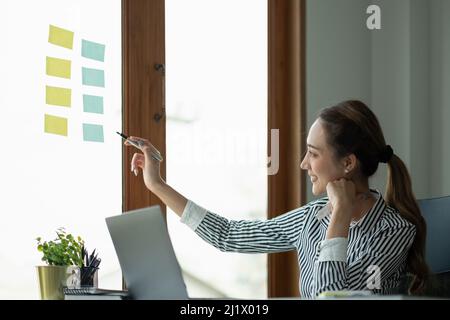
<point>58,96</point>
<point>58,67</point>
<point>55,125</point>
<point>60,37</point>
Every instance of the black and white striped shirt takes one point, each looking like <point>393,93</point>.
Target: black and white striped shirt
<point>373,257</point>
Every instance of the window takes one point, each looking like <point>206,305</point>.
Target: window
<point>216,85</point>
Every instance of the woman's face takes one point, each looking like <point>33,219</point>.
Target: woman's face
<point>319,160</point>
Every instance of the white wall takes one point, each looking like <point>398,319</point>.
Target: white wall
<point>390,80</point>
<point>438,159</point>
<point>400,71</point>
<point>338,55</point>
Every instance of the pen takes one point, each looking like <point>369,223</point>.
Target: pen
<point>155,155</point>
<point>92,257</point>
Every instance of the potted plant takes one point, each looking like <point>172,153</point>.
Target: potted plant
<point>64,259</point>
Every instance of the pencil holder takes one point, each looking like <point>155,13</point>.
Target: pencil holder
<point>89,277</point>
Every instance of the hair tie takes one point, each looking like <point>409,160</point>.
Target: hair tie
<point>386,155</point>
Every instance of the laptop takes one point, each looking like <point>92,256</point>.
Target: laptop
<point>146,256</point>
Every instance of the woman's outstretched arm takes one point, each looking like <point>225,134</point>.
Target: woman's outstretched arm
<point>274,235</point>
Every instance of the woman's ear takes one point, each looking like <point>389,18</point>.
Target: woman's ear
<point>349,163</point>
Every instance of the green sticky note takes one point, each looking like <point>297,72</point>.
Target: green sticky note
<point>60,37</point>
<point>92,104</point>
<point>58,67</point>
<point>92,132</point>
<point>93,77</point>
<point>58,96</point>
<point>55,125</point>
<point>93,50</point>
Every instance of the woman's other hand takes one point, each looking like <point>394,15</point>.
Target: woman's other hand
<point>342,196</point>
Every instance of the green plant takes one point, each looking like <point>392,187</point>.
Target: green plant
<point>65,250</point>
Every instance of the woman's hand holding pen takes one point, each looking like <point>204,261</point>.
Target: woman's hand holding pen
<point>149,161</point>
<point>146,161</point>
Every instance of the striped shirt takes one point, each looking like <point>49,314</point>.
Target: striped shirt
<point>373,257</point>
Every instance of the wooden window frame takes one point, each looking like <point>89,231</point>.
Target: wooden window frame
<point>143,48</point>
<point>286,112</point>
<point>143,43</point>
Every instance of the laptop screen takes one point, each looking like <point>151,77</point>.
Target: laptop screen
<point>146,255</point>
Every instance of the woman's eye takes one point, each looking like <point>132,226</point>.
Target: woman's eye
<point>311,154</point>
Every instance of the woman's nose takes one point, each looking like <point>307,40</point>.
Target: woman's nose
<point>303,164</point>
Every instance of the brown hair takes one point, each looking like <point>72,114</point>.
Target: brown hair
<point>351,127</point>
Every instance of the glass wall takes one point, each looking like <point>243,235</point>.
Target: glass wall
<point>216,96</point>
<point>60,103</point>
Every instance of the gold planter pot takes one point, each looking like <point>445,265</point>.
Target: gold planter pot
<point>52,279</point>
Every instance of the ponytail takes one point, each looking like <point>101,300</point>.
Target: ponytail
<point>399,195</point>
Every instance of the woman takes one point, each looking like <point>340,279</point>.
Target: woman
<point>353,239</point>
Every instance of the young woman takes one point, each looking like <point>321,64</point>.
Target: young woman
<point>353,239</point>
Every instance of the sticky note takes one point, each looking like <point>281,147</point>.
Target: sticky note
<point>92,104</point>
<point>55,125</point>
<point>60,37</point>
<point>92,132</point>
<point>93,77</point>
<point>58,67</point>
<point>58,96</point>
<point>93,50</point>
